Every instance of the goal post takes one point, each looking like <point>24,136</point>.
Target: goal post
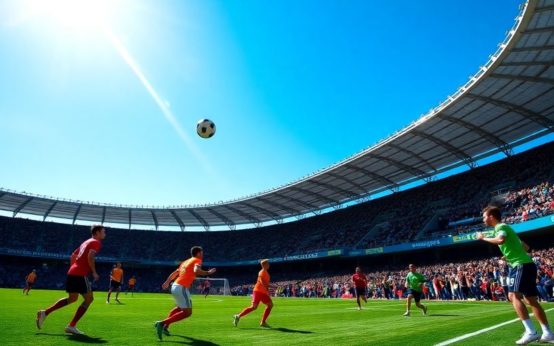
<point>213,286</point>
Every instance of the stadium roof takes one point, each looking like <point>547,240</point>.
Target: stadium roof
<point>509,101</point>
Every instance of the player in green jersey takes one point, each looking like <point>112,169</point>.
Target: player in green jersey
<point>414,284</point>
<point>522,277</point>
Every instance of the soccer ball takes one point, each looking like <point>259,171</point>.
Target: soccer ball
<point>205,128</point>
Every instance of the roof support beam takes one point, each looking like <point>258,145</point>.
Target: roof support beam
<point>411,153</point>
<point>225,219</point>
<point>522,78</point>
<point>536,117</point>
<point>373,175</point>
<point>200,219</point>
<point>269,213</point>
<point>178,219</point>
<point>452,149</point>
<point>318,195</point>
<point>21,206</point>
<point>155,219</point>
<point>340,177</point>
<point>531,49</point>
<point>49,210</point>
<point>103,215</point>
<point>76,213</point>
<point>398,164</point>
<point>243,214</point>
<point>500,144</point>
<point>130,218</point>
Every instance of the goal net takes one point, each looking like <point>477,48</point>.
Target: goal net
<point>213,286</point>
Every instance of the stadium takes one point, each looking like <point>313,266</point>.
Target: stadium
<point>392,204</point>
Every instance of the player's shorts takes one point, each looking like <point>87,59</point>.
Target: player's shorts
<point>258,297</point>
<point>115,284</point>
<point>131,287</point>
<point>181,295</point>
<point>523,279</point>
<point>77,284</point>
<point>415,294</point>
<point>360,292</point>
<point>30,284</point>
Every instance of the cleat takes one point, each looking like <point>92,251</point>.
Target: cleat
<point>527,338</point>
<point>548,338</point>
<point>424,310</point>
<point>159,329</point>
<point>117,300</point>
<point>166,331</point>
<point>265,325</point>
<point>41,316</point>
<point>73,330</point>
<point>236,320</point>
<point>107,302</point>
<point>407,314</point>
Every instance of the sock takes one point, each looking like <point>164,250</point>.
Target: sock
<point>529,328</point>
<point>78,314</point>
<point>246,311</point>
<point>59,304</point>
<point>546,329</point>
<point>173,311</point>
<point>109,294</point>
<point>181,315</point>
<point>266,314</point>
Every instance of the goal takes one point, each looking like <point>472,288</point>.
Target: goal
<point>217,286</point>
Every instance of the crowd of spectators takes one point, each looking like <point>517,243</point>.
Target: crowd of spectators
<point>478,279</point>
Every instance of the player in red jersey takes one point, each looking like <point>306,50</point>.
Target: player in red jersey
<point>82,264</point>
<point>359,281</point>
<point>261,294</point>
<point>183,276</point>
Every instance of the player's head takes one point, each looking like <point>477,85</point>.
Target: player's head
<point>265,263</point>
<point>491,215</point>
<point>34,270</point>
<point>98,232</point>
<point>358,270</point>
<point>196,251</point>
<point>412,268</point>
<point>118,264</point>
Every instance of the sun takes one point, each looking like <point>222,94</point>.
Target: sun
<point>75,14</point>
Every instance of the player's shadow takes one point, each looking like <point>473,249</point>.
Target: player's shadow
<point>287,330</point>
<point>443,315</point>
<point>78,338</point>
<point>187,340</point>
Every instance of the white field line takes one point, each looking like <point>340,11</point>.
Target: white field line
<point>481,331</point>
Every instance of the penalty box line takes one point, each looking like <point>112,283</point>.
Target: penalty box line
<point>481,331</point>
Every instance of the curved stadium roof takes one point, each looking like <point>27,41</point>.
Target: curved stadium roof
<point>509,101</point>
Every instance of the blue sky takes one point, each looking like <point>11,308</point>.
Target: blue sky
<point>103,107</point>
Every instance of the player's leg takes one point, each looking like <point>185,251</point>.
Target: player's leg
<point>538,311</point>
<point>268,306</point>
<point>417,299</point>
<point>253,306</point>
<point>41,314</point>
<point>408,304</point>
<point>181,296</point>
<point>109,293</point>
<point>81,310</point>
<point>117,294</point>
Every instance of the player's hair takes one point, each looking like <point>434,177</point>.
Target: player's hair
<point>195,250</point>
<point>95,229</point>
<point>494,211</point>
<point>265,260</point>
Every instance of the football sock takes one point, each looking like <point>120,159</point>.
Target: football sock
<point>546,329</point>
<point>173,311</point>
<point>529,328</point>
<point>181,315</point>
<point>266,314</point>
<point>246,311</point>
<point>78,314</point>
<point>59,304</point>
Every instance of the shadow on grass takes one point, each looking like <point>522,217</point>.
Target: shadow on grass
<point>77,338</point>
<point>443,315</point>
<point>187,340</point>
<point>282,330</point>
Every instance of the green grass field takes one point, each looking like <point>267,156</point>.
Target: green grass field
<point>293,321</point>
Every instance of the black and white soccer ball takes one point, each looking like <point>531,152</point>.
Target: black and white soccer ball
<point>205,128</point>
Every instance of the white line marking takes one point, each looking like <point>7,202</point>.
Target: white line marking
<point>469,335</point>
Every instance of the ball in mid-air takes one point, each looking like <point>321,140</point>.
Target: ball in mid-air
<point>205,128</point>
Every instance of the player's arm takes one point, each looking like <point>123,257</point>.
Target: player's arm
<point>170,278</point>
<point>199,271</point>
<point>73,257</point>
<point>498,240</point>
<point>92,263</point>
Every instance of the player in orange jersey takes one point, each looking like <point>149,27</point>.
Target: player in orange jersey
<point>131,285</point>
<point>261,294</point>
<point>116,280</point>
<point>30,281</point>
<point>183,278</point>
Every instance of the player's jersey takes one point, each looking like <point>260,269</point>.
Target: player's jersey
<point>263,282</point>
<point>359,280</point>
<point>31,277</point>
<point>414,280</point>
<point>186,272</point>
<point>117,274</point>
<point>132,282</point>
<point>512,248</point>
<point>81,267</point>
